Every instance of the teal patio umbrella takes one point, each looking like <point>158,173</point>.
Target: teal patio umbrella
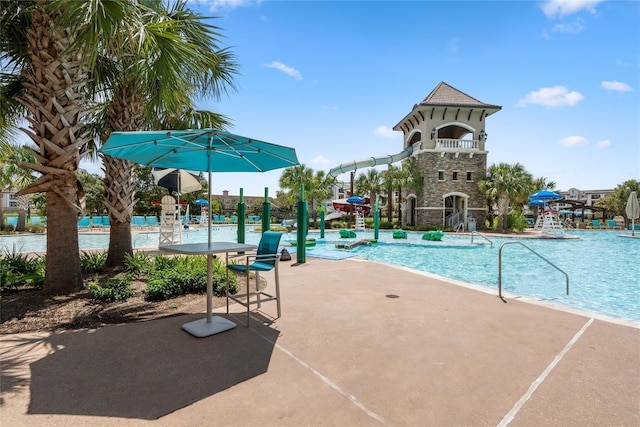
<point>203,150</point>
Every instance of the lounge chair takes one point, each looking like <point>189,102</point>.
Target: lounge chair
<point>36,220</point>
<point>138,221</point>
<point>265,259</point>
<point>595,223</point>
<point>85,222</point>
<point>12,220</point>
<point>152,221</point>
<point>611,224</point>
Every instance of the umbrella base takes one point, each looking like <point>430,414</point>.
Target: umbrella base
<point>200,328</point>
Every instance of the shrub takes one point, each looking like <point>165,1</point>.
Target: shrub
<point>91,262</point>
<point>18,269</point>
<point>114,289</point>
<point>138,262</point>
<point>36,228</point>
<point>180,275</point>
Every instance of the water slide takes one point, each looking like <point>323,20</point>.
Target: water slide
<point>370,162</point>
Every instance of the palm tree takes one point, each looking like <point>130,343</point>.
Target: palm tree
<point>504,184</point>
<point>406,177</point>
<point>154,86</point>
<point>320,189</point>
<point>16,176</point>
<point>370,183</point>
<point>388,184</point>
<point>47,78</point>
<point>294,178</point>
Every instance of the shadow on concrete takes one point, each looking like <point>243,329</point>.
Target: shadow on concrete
<point>144,370</point>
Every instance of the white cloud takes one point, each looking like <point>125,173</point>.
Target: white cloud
<point>616,86</point>
<point>285,69</point>
<point>553,9</point>
<point>571,28</point>
<point>604,144</point>
<point>574,141</point>
<point>552,97</point>
<point>386,132</point>
<point>320,160</point>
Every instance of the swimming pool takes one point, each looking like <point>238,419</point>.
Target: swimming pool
<point>603,268</point>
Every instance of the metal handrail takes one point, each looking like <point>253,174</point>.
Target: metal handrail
<point>475,233</point>
<point>536,253</point>
<point>460,226</point>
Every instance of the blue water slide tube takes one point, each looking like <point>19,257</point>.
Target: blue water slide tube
<point>370,162</point>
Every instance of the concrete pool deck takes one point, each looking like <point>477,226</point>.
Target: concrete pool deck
<point>359,344</point>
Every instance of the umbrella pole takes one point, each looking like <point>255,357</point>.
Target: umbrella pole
<point>209,261</point>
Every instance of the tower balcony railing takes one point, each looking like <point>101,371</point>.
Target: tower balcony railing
<point>457,144</point>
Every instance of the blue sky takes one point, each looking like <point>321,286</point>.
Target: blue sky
<point>331,78</point>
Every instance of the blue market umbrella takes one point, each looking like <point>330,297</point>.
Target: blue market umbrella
<point>537,202</point>
<point>203,150</point>
<point>200,202</point>
<point>545,195</point>
<point>356,200</point>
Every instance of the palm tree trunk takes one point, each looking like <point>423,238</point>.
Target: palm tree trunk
<point>23,204</point>
<point>62,272</point>
<point>119,201</point>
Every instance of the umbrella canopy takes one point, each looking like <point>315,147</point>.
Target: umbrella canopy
<point>178,180</point>
<point>356,200</point>
<point>205,150</point>
<point>545,195</point>
<point>201,202</point>
<point>537,202</point>
<point>633,210</point>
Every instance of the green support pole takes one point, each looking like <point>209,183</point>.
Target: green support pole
<point>301,250</point>
<point>266,212</point>
<point>376,221</point>
<point>322,222</point>
<point>241,224</point>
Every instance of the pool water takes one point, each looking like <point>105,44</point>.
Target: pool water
<point>603,268</point>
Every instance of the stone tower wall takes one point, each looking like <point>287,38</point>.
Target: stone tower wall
<point>430,163</point>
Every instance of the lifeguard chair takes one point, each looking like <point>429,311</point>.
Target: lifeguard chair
<point>170,231</point>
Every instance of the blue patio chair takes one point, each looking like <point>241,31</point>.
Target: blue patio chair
<point>595,223</point>
<point>265,259</point>
<point>138,221</point>
<point>234,219</point>
<point>85,222</point>
<point>105,221</point>
<point>151,220</point>
<point>36,220</point>
<point>12,220</point>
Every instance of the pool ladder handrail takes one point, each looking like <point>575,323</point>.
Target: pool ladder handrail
<point>475,233</point>
<point>536,253</point>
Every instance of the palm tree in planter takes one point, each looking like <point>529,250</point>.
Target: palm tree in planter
<point>150,82</point>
